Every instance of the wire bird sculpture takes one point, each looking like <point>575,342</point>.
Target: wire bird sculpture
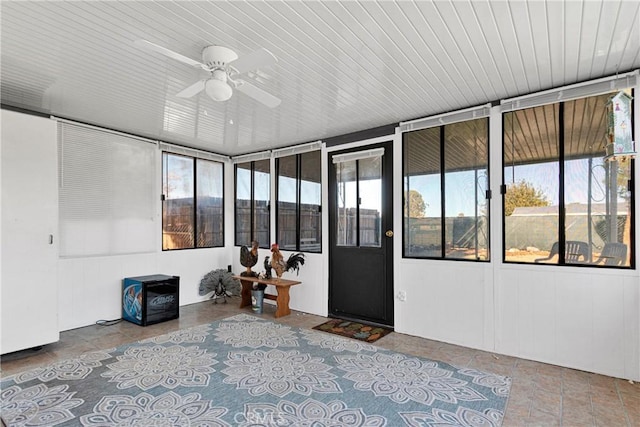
<point>221,283</point>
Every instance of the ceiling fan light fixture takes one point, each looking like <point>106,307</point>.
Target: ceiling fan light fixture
<point>218,90</point>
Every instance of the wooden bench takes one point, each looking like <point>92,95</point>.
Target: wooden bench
<point>282,289</point>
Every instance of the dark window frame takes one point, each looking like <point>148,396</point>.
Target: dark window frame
<point>298,191</point>
<point>442,173</point>
<point>562,203</point>
<point>252,200</point>
<point>194,219</point>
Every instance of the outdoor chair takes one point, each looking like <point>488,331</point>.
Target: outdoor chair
<point>575,252</point>
<point>613,254</point>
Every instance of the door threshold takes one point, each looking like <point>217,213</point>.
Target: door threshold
<point>364,322</point>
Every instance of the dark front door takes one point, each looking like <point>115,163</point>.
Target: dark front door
<point>361,234</point>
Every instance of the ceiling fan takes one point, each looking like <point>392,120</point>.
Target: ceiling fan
<point>223,65</point>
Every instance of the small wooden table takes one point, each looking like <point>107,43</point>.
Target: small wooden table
<point>282,288</point>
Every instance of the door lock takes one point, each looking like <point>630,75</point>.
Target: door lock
<point>389,233</point>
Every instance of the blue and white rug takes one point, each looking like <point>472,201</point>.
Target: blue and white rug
<point>245,371</point>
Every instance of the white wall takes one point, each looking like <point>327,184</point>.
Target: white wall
<point>583,318</point>
<point>448,301</point>
<point>90,289</point>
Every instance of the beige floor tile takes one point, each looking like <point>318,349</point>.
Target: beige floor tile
<point>549,383</point>
<point>539,418</point>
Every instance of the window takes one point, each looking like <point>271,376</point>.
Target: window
<point>564,203</point>
<point>106,187</point>
<point>192,207</point>
<point>253,192</point>
<point>359,190</point>
<point>445,172</point>
<point>299,225</point>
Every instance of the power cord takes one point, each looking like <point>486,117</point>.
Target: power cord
<point>108,322</point>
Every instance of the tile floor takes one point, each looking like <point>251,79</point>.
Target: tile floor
<point>541,394</point>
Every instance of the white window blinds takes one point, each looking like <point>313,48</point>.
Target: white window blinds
<point>106,189</point>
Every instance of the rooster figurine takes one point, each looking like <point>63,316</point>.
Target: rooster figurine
<point>249,258</point>
<point>279,264</point>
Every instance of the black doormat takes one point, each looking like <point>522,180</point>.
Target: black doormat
<point>355,330</point>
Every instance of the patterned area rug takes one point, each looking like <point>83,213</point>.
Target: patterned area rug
<point>355,330</point>
<point>245,371</point>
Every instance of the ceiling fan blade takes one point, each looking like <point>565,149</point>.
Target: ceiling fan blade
<point>258,94</point>
<point>194,89</point>
<point>166,52</point>
<point>260,58</point>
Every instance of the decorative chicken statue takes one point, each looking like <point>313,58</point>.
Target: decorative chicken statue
<point>279,264</point>
<point>249,258</point>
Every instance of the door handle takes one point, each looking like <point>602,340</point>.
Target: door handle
<point>389,233</point>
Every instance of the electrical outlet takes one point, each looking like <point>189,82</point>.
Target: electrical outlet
<point>402,296</point>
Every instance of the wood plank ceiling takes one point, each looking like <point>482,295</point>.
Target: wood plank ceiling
<point>343,66</point>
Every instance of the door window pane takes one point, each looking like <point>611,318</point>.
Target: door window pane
<point>178,205</point>
<point>347,203</point>
<point>370,206</point>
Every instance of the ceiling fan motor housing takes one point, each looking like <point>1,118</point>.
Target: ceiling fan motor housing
<point>217,56</point>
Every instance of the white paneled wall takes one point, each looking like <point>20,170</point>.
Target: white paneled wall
<point>446,301</point>
<point>90,288</point>
<point>582,318</point>
<point>577,317</point>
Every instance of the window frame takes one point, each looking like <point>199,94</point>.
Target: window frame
<point>562,204</point>
<point>252,201</point>
<point>442,175</point>
<point>194,219</point>
<point>298,191</point>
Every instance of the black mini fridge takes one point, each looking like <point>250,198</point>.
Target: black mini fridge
<point>150,299</point>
